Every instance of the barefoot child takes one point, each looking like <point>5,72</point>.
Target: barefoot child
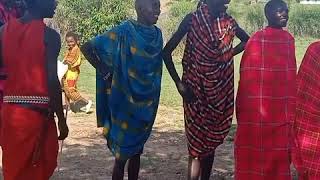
<point>129,65</point>
<point>207,81</point>
<point>73,59</point>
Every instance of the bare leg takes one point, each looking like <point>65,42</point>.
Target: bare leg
<point>193,168</point>
<point>118,170</point>
<point>134,167</point>
<point>206,167</point>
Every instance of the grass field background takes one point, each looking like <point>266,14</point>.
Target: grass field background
<point>169,94</point>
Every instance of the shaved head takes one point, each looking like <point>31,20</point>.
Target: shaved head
<point>147,11</point>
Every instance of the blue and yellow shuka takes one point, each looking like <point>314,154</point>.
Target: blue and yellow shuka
<point>127,104</point>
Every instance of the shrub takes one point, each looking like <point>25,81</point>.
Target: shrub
<point>170,22</point>
<point>180,8</point>
<point>304,20</point>
<point>255,18</point>
<point>91,17</point>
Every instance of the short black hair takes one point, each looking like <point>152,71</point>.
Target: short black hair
<point>271,5</point>
<point>73,34</point>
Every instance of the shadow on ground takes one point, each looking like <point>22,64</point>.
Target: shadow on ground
<point>164,158</point>
<point>86,157</point>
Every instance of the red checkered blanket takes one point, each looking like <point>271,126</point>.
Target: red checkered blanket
<point>208,71</point>
<point>306,155</point>
<point>265,106</point>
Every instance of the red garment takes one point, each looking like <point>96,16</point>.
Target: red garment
<point>5,15</point>
<point>306,156</point>
<point>265,106</point>
<point>23,51</point>
<point>208,71</point>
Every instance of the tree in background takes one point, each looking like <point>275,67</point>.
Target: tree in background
<point>91,17</point>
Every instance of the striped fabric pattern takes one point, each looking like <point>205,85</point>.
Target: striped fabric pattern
<point>26,99</point>
<point>265,106</point>
<point>307,121</point>
<point>208,71</point>
<point>70,88</point>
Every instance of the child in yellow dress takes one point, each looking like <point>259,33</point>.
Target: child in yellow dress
<point>73,59</point>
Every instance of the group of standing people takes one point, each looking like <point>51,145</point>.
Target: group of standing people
<point>277,110</point>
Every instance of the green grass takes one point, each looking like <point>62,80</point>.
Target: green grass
<point>169,94</point>
<point>87,81</point>
<point>301,47</point>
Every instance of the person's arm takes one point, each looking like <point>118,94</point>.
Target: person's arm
<point>172,44</point>
<point>244,37</point>
<point>167,55</point>
<point>53,45</point>
<point>72,56</point>
<point>89,52</point>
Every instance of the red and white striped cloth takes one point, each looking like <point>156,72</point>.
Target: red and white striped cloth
<point>208,71</point>
<point>306,156</point>
<point>265,107</point>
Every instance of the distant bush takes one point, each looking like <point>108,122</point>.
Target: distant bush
<point>304,20</point>
<point>178,10</point>
<point>255,18</point>
<point>169,24</point>
<point>91,17</point>
<point>182,7</point>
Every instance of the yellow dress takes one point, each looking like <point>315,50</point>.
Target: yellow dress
<point>73,60</point>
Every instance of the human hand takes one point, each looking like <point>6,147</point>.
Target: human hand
<point>63,129</point>
<point>186,93</point>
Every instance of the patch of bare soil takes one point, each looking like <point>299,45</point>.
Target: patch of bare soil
<point>86,157</point>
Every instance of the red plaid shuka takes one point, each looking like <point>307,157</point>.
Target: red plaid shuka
<point>265,107</point>
<point>208,71</point>
<point>306,156</point>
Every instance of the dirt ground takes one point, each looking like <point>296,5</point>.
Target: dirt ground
<point>86,157</point>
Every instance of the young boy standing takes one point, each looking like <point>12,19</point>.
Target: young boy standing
<point>129,69</point>
<point>73,59</point>
<point>207,85</point>
<point>265,105</point>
